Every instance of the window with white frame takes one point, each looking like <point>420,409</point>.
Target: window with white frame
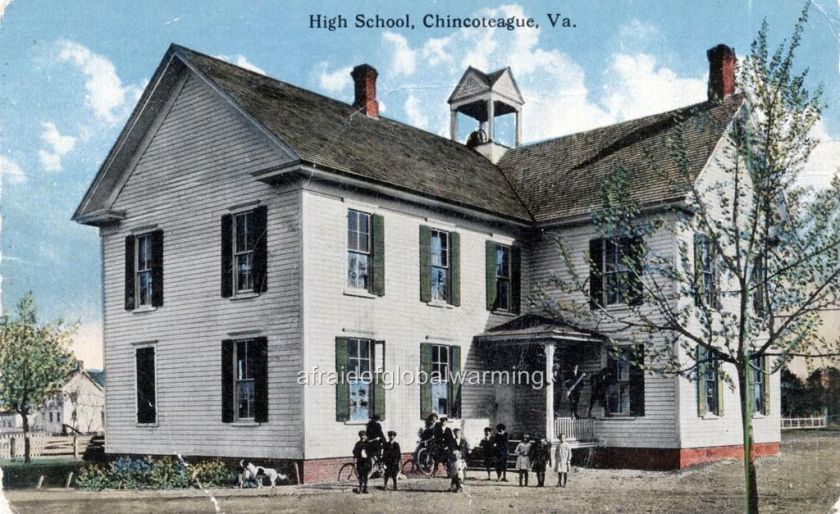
<point>706,265</point>
<point>243,251</point>
<point>616,272</point>
<point>244,357</point>
<point>618,391</point>
<point>143,263</point>
<point>710,383</point>
<point>503,278</point>
<point>440,265</point>
<point>440,379</point>
<point>360,378</point>
<point>358,249</point>
<point>759,375</point>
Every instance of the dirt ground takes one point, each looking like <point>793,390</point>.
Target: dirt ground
<point>804,478</point>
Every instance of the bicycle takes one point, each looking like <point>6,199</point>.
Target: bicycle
<point>423,460</point>
<point>347,472</point>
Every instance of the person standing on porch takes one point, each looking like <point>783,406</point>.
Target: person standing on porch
<point>523,463</point>
<point>486,446</point>
<point>500,451</point>
<point>573,385</point>
<point>562,461</point>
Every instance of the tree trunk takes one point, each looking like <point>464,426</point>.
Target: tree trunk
<point>26,457</point>
<point>750,482</point>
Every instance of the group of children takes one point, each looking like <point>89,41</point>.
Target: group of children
<point>449,446</point>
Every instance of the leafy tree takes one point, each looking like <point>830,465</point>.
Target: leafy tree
<point>823,387</point>
<point>797,400</point>
<point>757,257</point>
<point>34,362</point>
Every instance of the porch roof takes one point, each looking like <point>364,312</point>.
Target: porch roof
<point>532,328</point>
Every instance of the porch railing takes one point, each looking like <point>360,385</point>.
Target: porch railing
<point>575,429</point>
<point>803,423</point>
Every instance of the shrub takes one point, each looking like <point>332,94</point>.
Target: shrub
<point>127,473</point>
<point>168,473</point>
<point>212,473</point>
<point>93,478</point>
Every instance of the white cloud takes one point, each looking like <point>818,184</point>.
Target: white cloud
<point>3,5</point>
<point>334,81</point>
<point>10,172</point>
<point>105,93</point>
<point>415,112</point>
<point>824,161</point>
<point>58,145</point>
<point>637,86</point>
<point>241,61</point>
<point>403,58</point>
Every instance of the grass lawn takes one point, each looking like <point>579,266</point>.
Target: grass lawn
<point>803,479</point>
<point>18,474</point>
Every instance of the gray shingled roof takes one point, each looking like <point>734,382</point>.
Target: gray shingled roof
<point>334,135</point>
<point>540,182</point>
<point>562,177</point>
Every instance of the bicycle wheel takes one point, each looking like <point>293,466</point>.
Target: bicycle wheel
<point>425,461</point>
<point>347,472</point>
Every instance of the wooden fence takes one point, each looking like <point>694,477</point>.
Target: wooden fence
<point>804,423</point>
<point>43,445</point>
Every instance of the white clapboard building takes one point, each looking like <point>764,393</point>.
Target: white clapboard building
<point>259,239</point>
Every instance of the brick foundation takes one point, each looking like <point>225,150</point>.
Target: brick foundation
<point>661,459</point>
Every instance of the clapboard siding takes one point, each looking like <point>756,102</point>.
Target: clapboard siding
<point>657,428</point>
<point>197,165</point>
<point>399,317</point>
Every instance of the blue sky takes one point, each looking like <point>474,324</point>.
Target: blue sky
<point>72,71</point>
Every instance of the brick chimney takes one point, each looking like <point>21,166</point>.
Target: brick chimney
<point>364,82</point>
<point>722,63</point>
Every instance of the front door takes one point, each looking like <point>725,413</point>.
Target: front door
<point>505,405</point>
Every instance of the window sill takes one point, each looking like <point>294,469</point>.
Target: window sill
<point>618,417</point>
<point>144,309</point>
<point>146,425</point>
<point>245,424</point>
<point>507,314</point>
<point>359,293</point>
<point>440,304</point>
<point>759,416</point>
<point>356,423</point>
<point>710,416</point>
<point>244,296</point>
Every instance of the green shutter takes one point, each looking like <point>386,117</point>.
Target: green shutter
<point>490,273</point>
<point>455,383</point>
<point>378,284</point>
<point>701,378</point>
<point>596,273</point>
<point>425,264</point>
<point>455,268</point>
<point>379,384</point>
<point>634,249</point>
<point>698,269</point>
<point>765,385</point>
<point>425,386</point>
<point>516,278</point>
<point>342,388</point>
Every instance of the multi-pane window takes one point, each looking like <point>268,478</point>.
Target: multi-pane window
<point>440,265</point>
<point>503,278</point>
<point>244,237</point>
<point>618,391</point>
<point>759,295</point>
<point>244,358</point>
<point>706,270</point>
<point>143,263</point>
<point>615,272</point>
<point>360,378</point>
<point>710,384</point>
<point>440,379</point>
<point>358,249</point>
<point>758,378</point>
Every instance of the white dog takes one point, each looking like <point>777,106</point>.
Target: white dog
<point>249,471</point>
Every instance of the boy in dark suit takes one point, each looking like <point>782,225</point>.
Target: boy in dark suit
<point>361,454</point>
<point>391,458</point>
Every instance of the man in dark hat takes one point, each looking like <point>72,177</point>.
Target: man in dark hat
<point>375,437</point>
<point>361,455</point>
<point>391,459</point>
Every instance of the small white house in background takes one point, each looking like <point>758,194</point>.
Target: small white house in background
<point>258,238</point>
<point>79,407</point>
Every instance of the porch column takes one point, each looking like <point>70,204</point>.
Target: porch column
<point>549,390</point>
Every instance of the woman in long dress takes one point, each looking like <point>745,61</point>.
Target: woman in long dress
<point>562,461</point>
